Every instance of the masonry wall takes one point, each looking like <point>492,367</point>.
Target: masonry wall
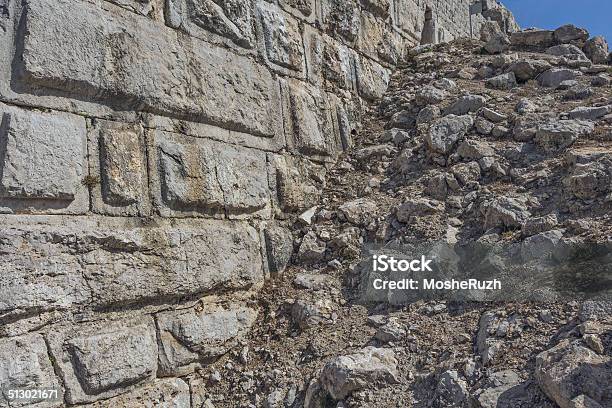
<point>150,153</point>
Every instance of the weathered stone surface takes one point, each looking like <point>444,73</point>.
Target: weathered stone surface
<point>526,69</point>
<point>378,40</point>
<point>596,49</point>
<point>232,19</point>
<point>505,81</point>
<point>570,370</point>
<point>299,182</point>
<point>560,134</point>
<point>429,95</point>
<point>160,393</point>
<point>358,212</point>
<point>101,360</point>
<point>194,177</point>
<point>566,50</point>
<point>25,364</point>
<point>119,169</point>
<point>372,78</point>
<point>533,38</point>
<point>186,77</point>
<point>504,212</point>
<point>42,160</point>
<point>452,390</point>
<point>279,248</point>
<point>311,123</point>
<point>466,104</point>
<point>590,113</point>
<point>589,180</point>
<point>377,7</point>
<point>330,63</point>
<point>305,7</point>
<point>345,374</point>
<point>120,263</point>
<point>553,77</point>
<point>446,132</point>
<point>569,33</point>
<point>312,249</point>
<point>190,338</point>
<point>342,18</point>
<point>282,38</point>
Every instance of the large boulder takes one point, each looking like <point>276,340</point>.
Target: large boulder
<point>553,77</point>
<point>533,38</point>
<point>526,69</point>
<point>502,82</point>
<point>570,33</point>
<point>367,368</point>
<point>596,49</point>
<point>570,370</point>
<point>466,104</point>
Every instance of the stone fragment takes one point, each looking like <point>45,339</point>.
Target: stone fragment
<point>589,180</point>
<point>504,212</point>
<point>312,249</point>
<point>590,113</point>
<point>532,38</point>
<point>502,391</point>
<point>566,50</point>
<point>526,69</point>
<point>279,248</point>
<point>596,49</point>
<point>444,133</point>
<point>417,207</point>
<point>342,18</point>
<point>466,104</point>
<point>466,173</point>
<point>428,114</point>
<point>541,246</point>
<point>372,79</point>
<point>430,95</point>
<point>595,310</point>
<point>311,314</point>
<point>369,367</point>
<point>502,82</point>
<point>493,116</point>
<point>583,401</point>
<point>533,226</point>
<point>554,76</point>
<point>452,391</point>
<point>475,150</point>
<point>299,182</point>
<point>98,361</point>
<point>192,338</point>
<point>390,332</point>
<point>497,44</point>
<point>358,212</point>
<point>560,134</point>
<point>570,33</point>
<point>483,127</point>
<point>25,364</point>
<point>570,370</point>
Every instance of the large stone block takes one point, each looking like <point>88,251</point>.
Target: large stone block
<point>25,364</point>
<point>161,393</point>
<point>282,40</point>
<point>76,263</point>
<point>101,360</point>
<point>98,56</point>
<point>309,121</point>
<point>190,338</point>
<point>304,9</point>
<point>329,63</point>
<point>42,161</point>
<point>231,19</point>
<point>372,79</point>
<point>299,182</point>
<point>118,158</point>
<point>195,177</point>
<point>378,40</point>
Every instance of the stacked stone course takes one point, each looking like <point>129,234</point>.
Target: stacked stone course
<point>148,151</point>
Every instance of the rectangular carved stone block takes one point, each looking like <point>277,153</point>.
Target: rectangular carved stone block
<point>119,165</point>
<point>309,121</point>
<point>24,363</point>
<point>42,161</point>
<point>282,40</point>
<point>76,263</point>
<point>101,360</point>
<point>195,177</point>
<point>378,40</point>
<point>100,55</point>
<point>190,338</point>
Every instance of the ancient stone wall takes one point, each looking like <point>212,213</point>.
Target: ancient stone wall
<point>149,153</point>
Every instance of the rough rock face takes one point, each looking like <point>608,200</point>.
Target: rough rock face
<point>154,156</point>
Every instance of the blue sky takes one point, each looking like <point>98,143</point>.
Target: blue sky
<point>594,15</point>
